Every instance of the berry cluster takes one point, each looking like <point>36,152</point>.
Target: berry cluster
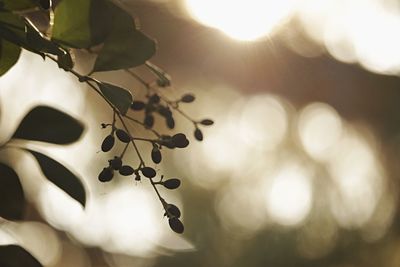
<point>154,103</point>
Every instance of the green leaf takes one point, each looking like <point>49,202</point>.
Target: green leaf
<point>9,55</point>
<point>71,23</point>
<point>16,256</point>
<point>119,97</point>
<point>117,19</point>
<point>124,50</point>
<point>93,21</point>
<point>61,177</point>
<point>18,4</point>
<point>49,125</point>
<point>12,200</point>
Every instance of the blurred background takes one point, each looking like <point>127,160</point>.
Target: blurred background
<point>300,169</point>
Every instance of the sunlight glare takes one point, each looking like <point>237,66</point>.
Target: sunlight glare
<point>241,20</point>
<point>320,128</point>
<point>289,197</point>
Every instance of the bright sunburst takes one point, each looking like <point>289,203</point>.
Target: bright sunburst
<point>242,20</point>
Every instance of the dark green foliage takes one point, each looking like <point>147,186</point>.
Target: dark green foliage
<point>124,49</point>
<point>72,32</point>
<point>61,177</point>
<point>47,124</point>
<point>118,96</point>
<point>9,54</point>
<point>16,256</point>
<point>12,200</point>
<point>19,4</point>
<point>172,183</point>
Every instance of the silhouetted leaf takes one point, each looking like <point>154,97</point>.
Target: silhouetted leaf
<point>38,42</point>
<point>65,61</point>
<point>16,256</point>
<point>12,201</point>
<point>47,124</point>
<point>9,55</point>
<point>176,225</point>
<point>61,177</point>
<point>124,49</point>
<point>119,97</point>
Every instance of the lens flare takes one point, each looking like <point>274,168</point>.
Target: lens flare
<point>289,196</point>
<point>241,20</point>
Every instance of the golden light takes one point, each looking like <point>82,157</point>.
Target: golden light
<point>359,180</point>
<point>289,196</point>
<point>320,128</point>
<point>241,20</point>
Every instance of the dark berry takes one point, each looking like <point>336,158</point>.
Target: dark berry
<point>176,225</point>
<point>180,140</point>
<point>198,134</point>
<point>173,211</point>
<point>126,170</point>
<point>148,120</point>
<point>148,172</point>
<point>108,143</point>
<point>207,122</point>
<point>172,183</point>
<point>137,105</point>
<point>188,98</point>
<point>156,155</point>
<point>116,163</point>
<point>106,175</point>
<point>123,136</point>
